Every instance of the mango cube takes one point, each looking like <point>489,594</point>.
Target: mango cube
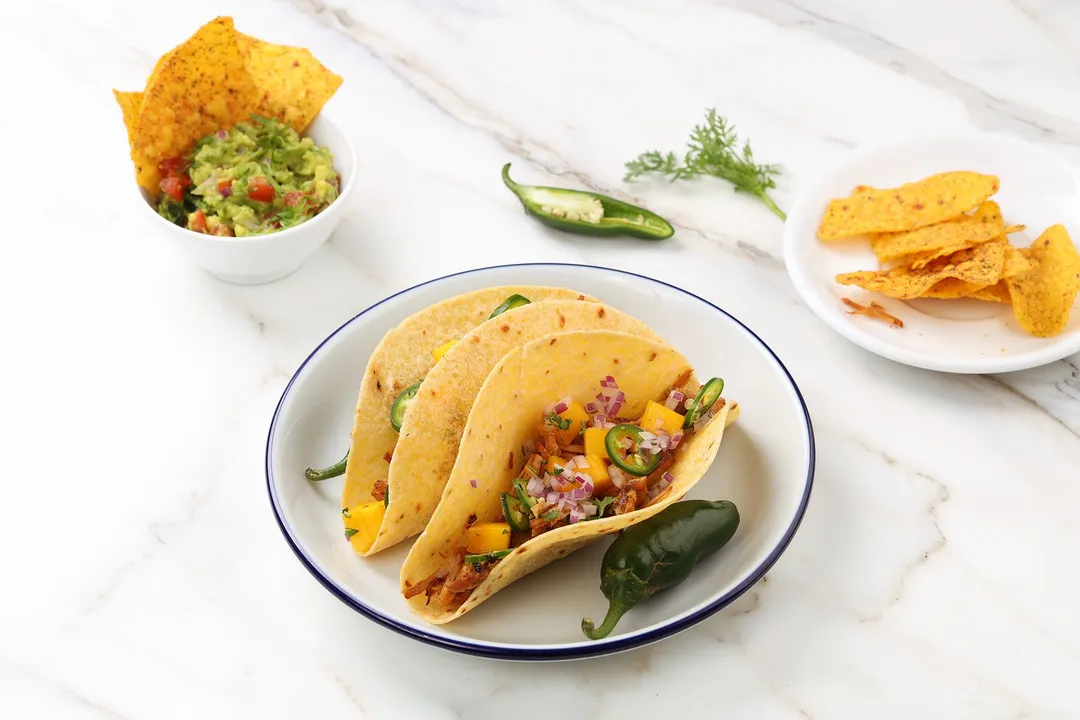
<point>438,352</point>
<point>554,461</point>
<point>362,523</point>
<point>658,417</point>
<point>577,416</point>
<point>487,537</point>
<point>596,468</point>
<point>594,442</point>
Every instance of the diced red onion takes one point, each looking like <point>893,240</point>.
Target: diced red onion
<point>560,408</point>
<point>615,408</point>
<point>580,461</point>
<point>588,508</point>
<point>226,191</point>
<point>608,382</point>
<point>576,515</point>
<point>473,483</point>
<point>536,487</point>
<point>565,505</point>
<point>552,498</point>
<point>578,494</point>
<point>667,477</point>
<point>221,134</point>
<point>674,398</point>
<point>675,440</point>
<point>617,476</point>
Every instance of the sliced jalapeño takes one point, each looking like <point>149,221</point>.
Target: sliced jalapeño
<point>706,398</point>
<point>517,513</point>
<point>397,410</point>
<point>514,301</point>
<point>631,460</point>
<point>487,557</point>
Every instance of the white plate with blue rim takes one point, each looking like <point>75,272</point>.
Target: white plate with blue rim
<point>765,465</point>
<point>957,336</point>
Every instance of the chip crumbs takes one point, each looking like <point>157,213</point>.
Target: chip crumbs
<point>874,311</point>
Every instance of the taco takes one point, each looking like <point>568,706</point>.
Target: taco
<point>432,425</point>
<point>572,436</point>
<point>393,378</point>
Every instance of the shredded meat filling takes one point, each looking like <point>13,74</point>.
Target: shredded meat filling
<point>379,491</point>
<point>538,526</point>
<point>422,586</point>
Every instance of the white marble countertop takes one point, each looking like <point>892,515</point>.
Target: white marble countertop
<point>936,573</point>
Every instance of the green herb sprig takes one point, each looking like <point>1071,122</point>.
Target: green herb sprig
<point>713,150</point>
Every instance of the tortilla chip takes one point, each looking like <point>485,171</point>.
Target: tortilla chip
<point>924,244</point>
<point>292,85</point>
<point>1043,297</point>
<point>980,265</point>
<point>202,86</point>
<point>1016,263</point>
<point>911,206</point>
<point>998,292</point>
<point>989,212</point>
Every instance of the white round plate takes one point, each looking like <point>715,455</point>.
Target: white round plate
<point>959,336</point>
<point>765,465</point>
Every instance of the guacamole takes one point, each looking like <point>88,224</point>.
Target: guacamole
<point>258,177</point>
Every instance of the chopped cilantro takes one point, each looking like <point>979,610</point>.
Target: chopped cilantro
<point>556,421</point>
<point>349,532</point>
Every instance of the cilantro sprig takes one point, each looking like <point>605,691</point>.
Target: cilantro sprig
<point>713,150</point>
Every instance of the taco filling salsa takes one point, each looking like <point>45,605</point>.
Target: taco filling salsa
<point>585,462</point>
<point>258,177</point>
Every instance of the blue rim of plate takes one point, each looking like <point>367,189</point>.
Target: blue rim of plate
<point>525,653</point>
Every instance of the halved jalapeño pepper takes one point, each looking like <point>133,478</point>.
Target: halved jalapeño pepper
<point>706,398</point>
<point>516,512</point>
<point>487,557</point>
<point>397,410</point>
<point>630,460</point>
<point>587,213</point>
<point>514,301</point>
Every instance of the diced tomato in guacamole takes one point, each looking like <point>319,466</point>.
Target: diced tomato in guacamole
<point>258,177</point>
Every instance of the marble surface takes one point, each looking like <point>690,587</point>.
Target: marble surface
<point>935,575</point>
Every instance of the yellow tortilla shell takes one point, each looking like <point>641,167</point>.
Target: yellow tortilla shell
<point>403,357</point>
<point>505,414</point>
<point>432,427</point>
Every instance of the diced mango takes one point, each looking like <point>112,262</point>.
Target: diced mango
<point>552,462</point>
<point>362,524</point>
<point>487,537</point>
<point>596,468</point>
<point>657,416</point>
<point>438,352</point>
<point>594,441</point>
<point>577,416</point>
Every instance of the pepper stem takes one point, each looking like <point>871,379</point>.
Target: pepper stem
<point>615,611</point>
<point>326,473</point>
<point>773,206</point>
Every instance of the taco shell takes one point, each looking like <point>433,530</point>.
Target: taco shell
<point>505,414</point>
<point>403,357</point>
<point>433,424</point>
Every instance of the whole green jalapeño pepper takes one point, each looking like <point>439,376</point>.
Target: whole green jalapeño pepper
<point>587,213</point>
<point>659,553</point>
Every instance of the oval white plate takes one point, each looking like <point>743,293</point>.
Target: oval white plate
<point>960,336</point>
<point>765,465</point>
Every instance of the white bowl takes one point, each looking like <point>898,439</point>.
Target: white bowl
<point>264,258</point>
<point>765,464</point>
<point>959,336</point>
